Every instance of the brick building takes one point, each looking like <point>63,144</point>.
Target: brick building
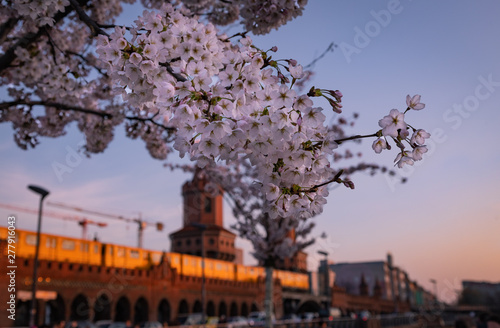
<point>91,292</point>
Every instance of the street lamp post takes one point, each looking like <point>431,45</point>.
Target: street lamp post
<point>202,227</point>
<point>325,277</point>
<point>43,193</point>
<point>434,282</point>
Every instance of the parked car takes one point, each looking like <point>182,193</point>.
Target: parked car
<point>258,319</point>
<point>118,325</point>
<point>364,315</point>
<point>151,324</point>
<point>237,321</point>
<point>330,314</point>
<point>308,316</point>
<point>80,324</point>
<point>103,323</point>
<point>211,322</point>
<point>291,318</point>
<point>190,319</point>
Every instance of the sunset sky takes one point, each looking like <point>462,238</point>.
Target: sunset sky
<point>443,224</point>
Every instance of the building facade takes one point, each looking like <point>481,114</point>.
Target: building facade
<point>381,279</point>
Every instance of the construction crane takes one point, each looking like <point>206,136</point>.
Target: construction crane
<point>82,221</point>
<point>142,224</point>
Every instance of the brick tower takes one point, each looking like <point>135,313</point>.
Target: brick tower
<point>202,208</point>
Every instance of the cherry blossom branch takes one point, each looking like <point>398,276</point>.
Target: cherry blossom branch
<point>94,27</point>
<point>60,106</point>
<point>177,76</point>
<point>330,47</point>
<point>53,46</point>
<point>9,56</point>
<point>82,57</point>
<point>336,178</point>
<point>145,119</point>
<point>6,28</point>
<point>81,110</point>
<point>339,141</point>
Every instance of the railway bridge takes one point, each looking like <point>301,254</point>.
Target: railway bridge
<point>73,291</point>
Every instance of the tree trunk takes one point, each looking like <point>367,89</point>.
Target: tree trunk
<point>268,302</point>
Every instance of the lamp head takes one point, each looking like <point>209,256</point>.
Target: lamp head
<point>39,190</point>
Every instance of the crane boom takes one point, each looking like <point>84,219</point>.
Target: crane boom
<point>82,221</point>
<point>141,223</point>
<point>79,209</point>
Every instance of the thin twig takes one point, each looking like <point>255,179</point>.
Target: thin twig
<point>339,141</point>
<point>86,60</point>
<point>328,49</point>
<point>145,119</point>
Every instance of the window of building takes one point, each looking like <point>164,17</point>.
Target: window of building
<point>208,205</point>
<point>31,240</point>
<point>68,245</point>
<point>84,247</point>
<point>179,243</point>
<point>197,241</point>
<point>188,242</point>
<point>120,252</point>
<point>156,257</point>
<point>50,242</point>
<point>211,241</point>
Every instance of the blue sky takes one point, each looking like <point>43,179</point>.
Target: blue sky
<point>443,224</point>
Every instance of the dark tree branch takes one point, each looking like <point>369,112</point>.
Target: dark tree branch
<point>150,120</point>
<point>53,46</point>
<point>6,28</point>
<point>24,41</point>
<point>94,28</point>
<point>8,57</point>
<point>60,106</point>
<point>65,107</point>
<point>177,76</point>
<point>339,141</point>
<point>82,57</point>
<point>115,25</point>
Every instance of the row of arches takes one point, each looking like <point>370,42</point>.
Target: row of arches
<point>80,309</point>
<point>220,310</point>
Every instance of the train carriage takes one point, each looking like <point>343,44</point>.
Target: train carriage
<point>67,249</point>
